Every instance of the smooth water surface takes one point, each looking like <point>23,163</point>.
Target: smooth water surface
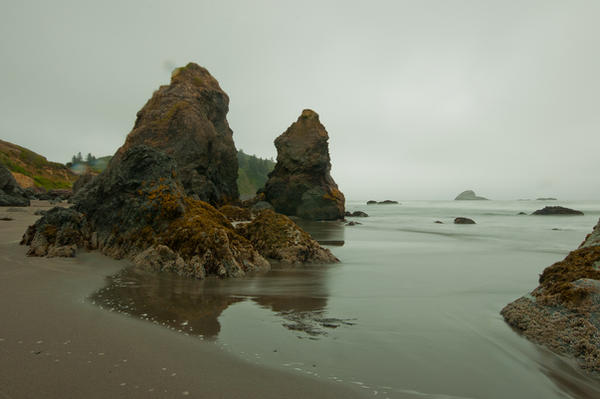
<point>412,311</point>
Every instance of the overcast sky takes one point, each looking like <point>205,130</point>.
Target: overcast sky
<point>421,99</point>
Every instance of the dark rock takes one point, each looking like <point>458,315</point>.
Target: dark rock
<point>135,209</point>
<point>469,195</point>
<point>82,181</point>
<point>58,232</point>
<point>387,202</point>
<point>277,237</point>
<point>371,202</point>
<point>187,121</point>
<point>352,223</point>
<point>39,212</point>
<point>438,222</point>
<point>356,214</point>
<point>563,312</point>
<point>260,205</point>
<point>11,194</point>
<point>461,220</point>
<point>546,199</point>
<point>521,213</point>
<point>557,210</point>
<point>301,185</point>
<point>6,219</point>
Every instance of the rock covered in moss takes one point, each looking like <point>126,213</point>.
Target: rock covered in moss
<point>58,233</point>
<point>563,312</point>
<point>235,213</point>
<point>187,120</point>
<point>277,237</point>
<point>11,194</point>
<point>301,184</point>
<point>138,209</point>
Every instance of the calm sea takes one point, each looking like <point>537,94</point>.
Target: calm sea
<point>412,311</point>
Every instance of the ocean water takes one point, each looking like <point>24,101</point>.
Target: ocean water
<point>412,310</point>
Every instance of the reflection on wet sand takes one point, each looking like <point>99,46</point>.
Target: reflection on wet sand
<point>297,295</point>
<point>329,233</point>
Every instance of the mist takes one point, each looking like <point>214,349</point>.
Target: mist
<point>422,100</point>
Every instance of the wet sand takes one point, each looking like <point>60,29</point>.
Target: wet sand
<point>56,344</point>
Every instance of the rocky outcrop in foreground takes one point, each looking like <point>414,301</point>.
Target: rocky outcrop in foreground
<point>187,121</point>
<point>138,209</point>
<point>301,185</point>
<point>469,195</point>
<point>557,210</point>
<point>563,312</point>
<point>11,194</point>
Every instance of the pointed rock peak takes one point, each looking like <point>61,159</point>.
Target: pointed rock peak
<point>195,75</point>
<point>309,114</point>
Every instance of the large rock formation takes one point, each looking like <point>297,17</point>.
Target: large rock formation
<point>138,209</point>
<point>469,195</point>
<point>10,192</point>
<point>563,312</point>
<point>187,121</point>
<point>301,185</point>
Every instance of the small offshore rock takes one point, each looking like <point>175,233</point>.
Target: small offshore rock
<point>438,222</point>
<point>557,210</point>
<point>352,223</point>
<point>521,213</point>
<point>463,220</point>
<point>469,195</point>
<point>371,202</point>
<point>387,202</point>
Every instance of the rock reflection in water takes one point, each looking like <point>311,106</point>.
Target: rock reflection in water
<point>297,295</point>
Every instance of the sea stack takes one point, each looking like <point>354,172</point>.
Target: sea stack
<point>11,194</point>
<point>187,121</point>
<point>469,195</point>
<point>301,184</point>
<point>563,312</point>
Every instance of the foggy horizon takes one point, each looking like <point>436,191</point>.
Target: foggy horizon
<point>421,100</point>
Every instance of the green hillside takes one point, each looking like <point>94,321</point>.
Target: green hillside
<point>33,170</point>
<point>252,173</point>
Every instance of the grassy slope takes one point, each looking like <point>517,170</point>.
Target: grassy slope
<point>44,173</point>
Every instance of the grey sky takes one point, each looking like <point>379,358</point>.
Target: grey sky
<point>422,99</point>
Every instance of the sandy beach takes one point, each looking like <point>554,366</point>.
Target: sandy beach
<point>55,344</point>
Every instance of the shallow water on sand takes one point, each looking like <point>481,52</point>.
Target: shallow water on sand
<point>411,312</point>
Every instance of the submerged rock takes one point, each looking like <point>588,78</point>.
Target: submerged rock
<point>301,184</point>
<point>461,220</point>
<point>11,194</point>
<point>277,237</point>
<point>563,312</point>
<point>469,195</point>
<point>557,210</point>
<point>187,120</point>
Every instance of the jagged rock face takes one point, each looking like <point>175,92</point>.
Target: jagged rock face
<point>187,121</point>
<point>277,237</point>
<point>82,181</point>
<point>138,209</point>
<point>11,194</point>
<point>563,312</point>
<point>301,184</point>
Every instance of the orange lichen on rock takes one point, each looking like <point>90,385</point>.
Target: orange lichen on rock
<point>277,237</point>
